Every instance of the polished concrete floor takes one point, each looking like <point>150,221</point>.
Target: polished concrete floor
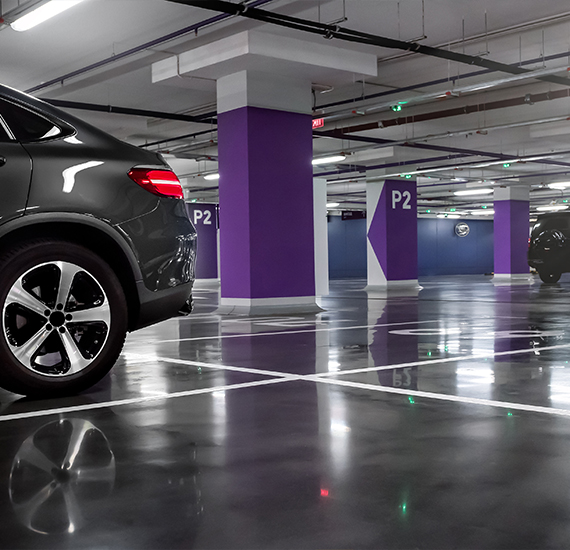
<point>434,419</point>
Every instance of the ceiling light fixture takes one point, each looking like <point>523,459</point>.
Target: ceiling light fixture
<point>552,207</point>
<point>42,13</point>
<point>332,204</point>
<point>559,185</point>
<point>212,177</point>
<point>329,160</point>
<point>467,192</point>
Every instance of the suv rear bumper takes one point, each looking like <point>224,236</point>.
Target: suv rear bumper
<point>156,306</point>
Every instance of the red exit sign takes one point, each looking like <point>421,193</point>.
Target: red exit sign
<point>318,123</point>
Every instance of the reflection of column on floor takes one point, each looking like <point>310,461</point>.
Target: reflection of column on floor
<point>277,422</point>
<point>388,348</point>
<point>519,377</point>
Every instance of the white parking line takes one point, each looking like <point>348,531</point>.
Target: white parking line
<point>324,378</point>
<point>285,332</point>
<point>444,397</point>
<point>140,400</point>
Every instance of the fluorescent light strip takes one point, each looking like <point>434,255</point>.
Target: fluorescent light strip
<point>212,177</point>
<point>467,192</point>
<point>43,13</point>
<point>329,160</point>
<point>552,207</point>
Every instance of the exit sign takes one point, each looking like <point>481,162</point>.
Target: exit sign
<point>318,123</point>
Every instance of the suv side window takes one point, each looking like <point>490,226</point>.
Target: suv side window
<point>26,125</point>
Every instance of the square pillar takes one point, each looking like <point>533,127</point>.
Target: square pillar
<point>267,251</point>
<point>511,231</point>
<point>392,234</point>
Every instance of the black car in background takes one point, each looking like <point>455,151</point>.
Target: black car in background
<point>95,241</point>
<point>549,246</point>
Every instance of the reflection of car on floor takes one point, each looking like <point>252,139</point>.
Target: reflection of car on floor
<point>67,484</point>
<point>95,241</point>
<point>549,246</point>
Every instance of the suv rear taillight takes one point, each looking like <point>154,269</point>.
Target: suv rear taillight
<point>159,182</point>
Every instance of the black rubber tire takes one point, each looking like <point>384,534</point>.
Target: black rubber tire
<point>549,277</point>
<point>14,376</point>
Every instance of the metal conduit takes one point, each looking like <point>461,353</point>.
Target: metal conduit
<point>349,35</point>
<point>156,42</point>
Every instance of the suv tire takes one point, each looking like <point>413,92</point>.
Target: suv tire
<point>549,276</point>
<point>63,318</point>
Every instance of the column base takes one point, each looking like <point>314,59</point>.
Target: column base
<point>503,279</point>
<point>408,287</point>
<point>268,306</point>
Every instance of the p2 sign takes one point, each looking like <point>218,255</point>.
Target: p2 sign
<point>205,220</point>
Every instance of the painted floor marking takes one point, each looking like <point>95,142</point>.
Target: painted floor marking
<point>201,364</point>
<point>141,400</point>
<point>324,378</point>
<point>285,332</point>
<point>489,355</point>
<point>444,397</point>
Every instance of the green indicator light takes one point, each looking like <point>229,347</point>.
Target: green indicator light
<point>396,108</point>
<point>453,209</point>
<point>194,200</point>
<point>565,200</point>
<point>429,353</point>
<point>506,165</point>
<point>446,348</point>
<point>428,211</point>
<point>402,102</point>
<point>404,508</point>
<point>411,400</point>
<point>408,176</point>
<point>484,206</point>
<point>509,413</point>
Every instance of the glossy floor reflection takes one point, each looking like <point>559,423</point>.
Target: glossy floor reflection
<point>431,419</point>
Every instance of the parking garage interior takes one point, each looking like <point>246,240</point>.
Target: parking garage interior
<point>370,362</point>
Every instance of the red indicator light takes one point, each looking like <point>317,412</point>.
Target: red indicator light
<point>159,182</point>
<point>318,123</point>
<point>324,492</point>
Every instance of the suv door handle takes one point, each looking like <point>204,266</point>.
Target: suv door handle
<point>2,161</point>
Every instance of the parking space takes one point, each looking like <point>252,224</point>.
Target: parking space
<point>396,422</point>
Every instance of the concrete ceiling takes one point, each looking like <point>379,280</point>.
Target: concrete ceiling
<point>449,134</point>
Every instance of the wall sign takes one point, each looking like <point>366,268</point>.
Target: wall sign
<point>462,229</point>
<point>204,217</point>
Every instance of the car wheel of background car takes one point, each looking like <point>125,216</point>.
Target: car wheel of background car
<point>64,318</point>
<point>549,276</point>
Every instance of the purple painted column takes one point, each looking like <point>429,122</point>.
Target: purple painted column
<point>511,230</point>
<point>392,233</point>
<point>266,211</point>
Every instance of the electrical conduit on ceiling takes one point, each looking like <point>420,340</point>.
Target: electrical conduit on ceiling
<point>153,43</point>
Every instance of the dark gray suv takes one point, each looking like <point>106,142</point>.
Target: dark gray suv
<point>549,246</point>
<point>95,241</point>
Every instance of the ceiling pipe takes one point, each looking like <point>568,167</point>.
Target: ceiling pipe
<point>453,79</point>
<point>203,119</point>
<point>527,99</point>
<point>349,35</point>
<point>430,137</point>
<point>365,110</point>
<point>148,45</point>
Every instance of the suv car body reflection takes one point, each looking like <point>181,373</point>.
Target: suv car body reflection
<point>95,241</point>
<point>549,246</point>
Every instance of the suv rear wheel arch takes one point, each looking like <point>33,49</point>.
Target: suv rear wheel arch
<point>84,233</point>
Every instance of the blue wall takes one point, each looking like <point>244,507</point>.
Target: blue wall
<point>440,250</point>
<point>347,248</point>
